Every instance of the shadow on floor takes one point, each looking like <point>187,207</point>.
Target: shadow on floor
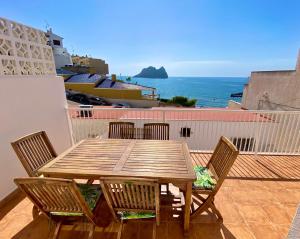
<point>12,204</point>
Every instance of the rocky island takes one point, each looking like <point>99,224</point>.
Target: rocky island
<point>152,72</point>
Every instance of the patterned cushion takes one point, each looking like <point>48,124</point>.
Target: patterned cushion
<point>136,215</point>
<point>204,178</point>
<point>91,193</point>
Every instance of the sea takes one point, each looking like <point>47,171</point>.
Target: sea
<point>208,91</point>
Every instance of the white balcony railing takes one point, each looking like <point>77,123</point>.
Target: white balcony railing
<point>274,132</point>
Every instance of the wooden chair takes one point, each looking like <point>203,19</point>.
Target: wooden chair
<point>34,151</point>
<point>156,131</point>
<point>60,200</point>
<point>121,130</point>
<point>219,166</point>
<point>131,195</point>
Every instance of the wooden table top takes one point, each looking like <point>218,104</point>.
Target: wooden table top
<point>92,158</point>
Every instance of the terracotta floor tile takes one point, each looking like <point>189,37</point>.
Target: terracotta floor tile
<point>224,195</point>
<point>162,231</point>
<point>206,231</point>
<point>231,183</point>
<point>271,184</point>
<point>130,230</point>
<point>241,196</point>
<point>261,196</point>
<point>291,210</point>
<point>289,185</point>
<point>230,213</point>
<point>175,230</point>
<point>251,184</point>
<point>277,214</point>
<point>254,214</point>
<point>146,229</point>
<point>264,232</point>
<point>237,231</point>
<point>287,196</point>
<point>282,230</point>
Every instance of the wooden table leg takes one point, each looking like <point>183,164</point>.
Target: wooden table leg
<point>188,200</point>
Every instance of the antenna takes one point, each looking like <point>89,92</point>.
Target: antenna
<point>47,25</point>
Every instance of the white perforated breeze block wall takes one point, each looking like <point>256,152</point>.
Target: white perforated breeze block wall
<point>24,50</point>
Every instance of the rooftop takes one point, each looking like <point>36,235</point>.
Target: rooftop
<point>105,82</point>
<point>83,78</point>
<point>259,203</point>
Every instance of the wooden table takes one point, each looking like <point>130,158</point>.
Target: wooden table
<point>168,161</point>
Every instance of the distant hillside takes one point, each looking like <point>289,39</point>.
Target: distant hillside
<point>152,72</point>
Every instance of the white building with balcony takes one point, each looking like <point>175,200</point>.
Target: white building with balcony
<point>61,54</point>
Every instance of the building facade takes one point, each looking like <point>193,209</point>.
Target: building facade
<point>273,90</point>
<point>95,66</point>
<point>61,56</point>
<point>112,90</point>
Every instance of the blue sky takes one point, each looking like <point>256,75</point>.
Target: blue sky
<point>188,37</point>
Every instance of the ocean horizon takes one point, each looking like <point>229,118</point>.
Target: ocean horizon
<point>208,91</point>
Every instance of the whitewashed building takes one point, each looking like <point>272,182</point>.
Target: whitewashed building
<point>32,96</point>
<point>61,54</point>
<point>273,90</point>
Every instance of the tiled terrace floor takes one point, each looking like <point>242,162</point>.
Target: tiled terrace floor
<point>254,203</point>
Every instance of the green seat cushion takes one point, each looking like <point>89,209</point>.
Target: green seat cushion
<point>68,214</point>
<point>136,215</point>
<point>91,193</point>
<point>204,178</point>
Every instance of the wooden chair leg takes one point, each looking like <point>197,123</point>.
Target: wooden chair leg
<point>154,231</point>
<point>56,230</point>
<point>204,206</point>
<point>90,181</point>
<point>216,211</point>
<point>120,230</point>
<point>35,212</point>
<point>91,232</point>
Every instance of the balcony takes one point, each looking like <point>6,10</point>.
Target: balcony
<point>257,200</point>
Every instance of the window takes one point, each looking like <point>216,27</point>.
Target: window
<point>244,144</point>
<point>185,132</point>
<point>56,42</point>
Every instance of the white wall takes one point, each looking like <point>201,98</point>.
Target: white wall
<point>204,134</point>
<point>273,90</point>
<point>29,104</point>
<point>233,105</point>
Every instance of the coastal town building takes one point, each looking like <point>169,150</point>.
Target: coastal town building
<point>61,55</point>
<point>273,90</point>
<point>112,90</point>
<point>67,65</point>
<point>92,65</point>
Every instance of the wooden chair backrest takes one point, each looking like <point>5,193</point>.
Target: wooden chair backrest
<point>54,195</point>
<point>139,195</point>
<point>34,151</point>
<point>156,131</point>
<point>222,160</point>
<point>121,130</point>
